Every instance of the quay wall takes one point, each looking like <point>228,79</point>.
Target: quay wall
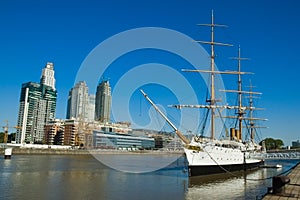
<point>32,151</point>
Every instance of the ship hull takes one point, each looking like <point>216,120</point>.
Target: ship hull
<point>216,157</point>
<point>217,169</point>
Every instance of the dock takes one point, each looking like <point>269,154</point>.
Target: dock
<point>290,190</point>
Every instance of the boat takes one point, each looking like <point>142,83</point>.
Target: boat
<point>208,155</point>
<point>277,166</point>
<point>7,153</point>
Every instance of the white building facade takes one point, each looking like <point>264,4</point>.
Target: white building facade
<point>81,105</point>
<point>47,77</point>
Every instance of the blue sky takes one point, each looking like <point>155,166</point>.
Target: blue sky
<point>65,32</point>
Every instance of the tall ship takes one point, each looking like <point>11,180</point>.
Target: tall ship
<point>208,155</point>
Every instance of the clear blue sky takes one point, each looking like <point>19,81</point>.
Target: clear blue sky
<point>64,32</point>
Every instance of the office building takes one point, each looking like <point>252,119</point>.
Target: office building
<point>119,136</point>
<point>91,108</point>
<point>37,107</point>
<point>103,102</point>
<point>296,144</point>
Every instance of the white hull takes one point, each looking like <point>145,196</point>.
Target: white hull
<point>226,155</point>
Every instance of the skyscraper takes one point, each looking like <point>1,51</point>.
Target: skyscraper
<point>91,107</point>
<point>103,102</point>
<point>37,107</point>
<point>47,77</point>
<point>77,101</point>
<point>81,105</point>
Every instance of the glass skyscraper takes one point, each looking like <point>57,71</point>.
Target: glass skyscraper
<point>103,102</point>
<point>37,107</point>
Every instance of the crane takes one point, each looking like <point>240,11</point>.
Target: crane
<point>5,128</point>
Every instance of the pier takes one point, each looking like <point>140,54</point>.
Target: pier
<point>290,190</point>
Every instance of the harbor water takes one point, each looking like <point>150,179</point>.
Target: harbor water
<point>85,177</point>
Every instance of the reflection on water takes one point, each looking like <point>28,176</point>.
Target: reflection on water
<point>240,185</point>
<point>138,163</point>
<point>84,177</point>
<point>225,186</point>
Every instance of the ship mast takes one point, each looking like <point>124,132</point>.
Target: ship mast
<point>251,122</point>
<point>212,101</point>
<point>240,108</point>
<point>212,72</point>
<point>251,117</point>
<point>240,112</point>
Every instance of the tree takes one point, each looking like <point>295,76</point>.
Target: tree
<point>1,137</point>
<point>11,137</point>
<point>278,144</point>
<point>272,144</point>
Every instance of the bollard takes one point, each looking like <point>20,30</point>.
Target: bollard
<point>278,183</point>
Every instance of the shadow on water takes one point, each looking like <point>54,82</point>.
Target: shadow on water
<point>219,178</point>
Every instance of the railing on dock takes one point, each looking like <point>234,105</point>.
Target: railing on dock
<point>283,155</point>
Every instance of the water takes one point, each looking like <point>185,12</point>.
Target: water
<point>84,177</point>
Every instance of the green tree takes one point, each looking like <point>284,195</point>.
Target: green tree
<point>1,137</point>
<point>278,144</point>
<point>11,137</point>
<point>272,144</point>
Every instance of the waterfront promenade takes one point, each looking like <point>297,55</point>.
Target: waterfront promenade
<point>291,190</point>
